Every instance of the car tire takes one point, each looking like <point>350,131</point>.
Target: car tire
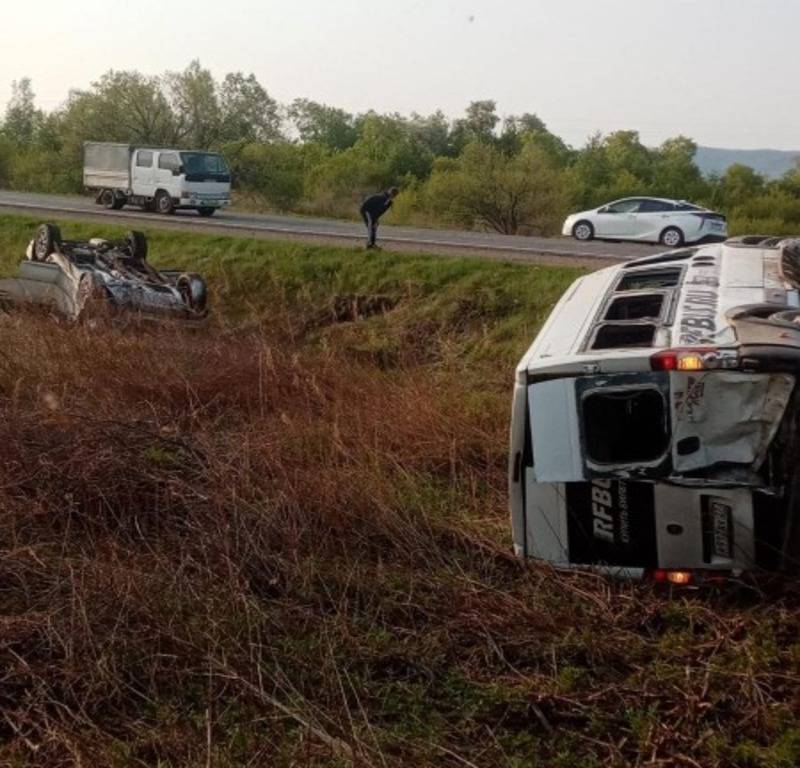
<point>136,242</point>
<point>194,291</point>
<point>672,237</point>
<point>47,240</point>
<point>164,204</point>
<point>789,318</point>
<point>583,231</point>
<point>206,212</point>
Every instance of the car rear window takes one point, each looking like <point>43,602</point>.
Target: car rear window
<point>611,336</point>
<point>636,307</point>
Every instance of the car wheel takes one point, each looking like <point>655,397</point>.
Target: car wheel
<point>672,237</point>
<point>194,291</point>
<point>790,317</point>
<point>47,240</point>
<point>108,199</point>
<point>164,203</point>
<point>206,212</point>
<point>583,231</point>
<point>136,243</point>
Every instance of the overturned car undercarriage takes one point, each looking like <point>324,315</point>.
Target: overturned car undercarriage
<point>77,279</point>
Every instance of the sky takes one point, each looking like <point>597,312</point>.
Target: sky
<point>723,72</point>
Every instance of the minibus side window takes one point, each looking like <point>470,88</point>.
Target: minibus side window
<point>650,279</point>
<point>636,307</point>
<point>611,336</point>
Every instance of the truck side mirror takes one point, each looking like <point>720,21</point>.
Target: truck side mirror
<point>177,171</point>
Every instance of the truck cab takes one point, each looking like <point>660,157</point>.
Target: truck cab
<point>653,419</point>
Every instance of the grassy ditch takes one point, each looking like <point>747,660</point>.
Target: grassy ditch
<point>283,541</point>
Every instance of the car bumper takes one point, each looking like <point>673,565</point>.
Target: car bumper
<point>201,202</point>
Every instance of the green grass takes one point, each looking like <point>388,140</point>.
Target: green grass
<point>288,531</point>
<point>493,309</point>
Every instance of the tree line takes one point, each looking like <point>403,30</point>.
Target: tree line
<point>509,174</point>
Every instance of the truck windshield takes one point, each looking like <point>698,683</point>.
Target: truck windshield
<point>209,165</point>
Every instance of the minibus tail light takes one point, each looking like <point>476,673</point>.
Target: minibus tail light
<point>686,359</point>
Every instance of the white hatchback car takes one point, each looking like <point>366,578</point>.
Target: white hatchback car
<point>648,219</point>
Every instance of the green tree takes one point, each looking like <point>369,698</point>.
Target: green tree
<point>390,141</point>
<point>741,183</point>
<point>433,133</point>
<point>625,152</point>
<point>195,106</point>
<point>120,106</point>
<point>478,124</point>
<point>248,112</point>
<point>486,188</point>
<point>322,124</point>
<point>22,118</point>
<point>675,172</point>
<point>275,172</point>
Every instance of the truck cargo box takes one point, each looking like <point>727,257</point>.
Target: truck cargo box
<point>106,165</point>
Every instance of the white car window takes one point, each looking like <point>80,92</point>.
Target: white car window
<point>655,206</point>
<point>624,206</point>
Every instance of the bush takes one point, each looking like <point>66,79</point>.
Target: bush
<point>483,188</point>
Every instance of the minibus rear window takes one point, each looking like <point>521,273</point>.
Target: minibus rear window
<point>636,307</point>
<point>649,279</point>
<point>610,336</point>
<point>625,426</point>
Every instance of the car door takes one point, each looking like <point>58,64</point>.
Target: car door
<point>167,172</point>
<point>652,218</point>
<point>617,219</point>
<point>142,181</point>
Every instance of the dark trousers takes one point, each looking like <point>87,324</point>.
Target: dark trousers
<point>372,228</point>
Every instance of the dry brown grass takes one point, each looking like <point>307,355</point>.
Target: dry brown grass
<point>229,548</point>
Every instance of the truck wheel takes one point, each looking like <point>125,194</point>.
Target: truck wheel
<point>107,199</point>
<point>164,203</point>
<point>206,212</point>
<point>136,243</point>
<point>47,240</point>
<point>110,200</point>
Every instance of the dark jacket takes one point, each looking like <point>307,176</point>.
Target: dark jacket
<point>376,205</point>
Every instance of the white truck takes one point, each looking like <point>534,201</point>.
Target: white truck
<point>156,179</point>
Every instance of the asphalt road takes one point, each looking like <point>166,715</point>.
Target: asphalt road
<point>512,247</point>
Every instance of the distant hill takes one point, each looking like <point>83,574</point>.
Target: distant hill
<point>770,162</point>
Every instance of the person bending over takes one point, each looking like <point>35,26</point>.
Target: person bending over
<point>372,209</point>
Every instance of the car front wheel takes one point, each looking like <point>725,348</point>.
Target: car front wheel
<point>672,237</point>
<point>583,231</point>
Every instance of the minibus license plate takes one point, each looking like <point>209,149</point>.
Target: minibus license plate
<point>721,528</point>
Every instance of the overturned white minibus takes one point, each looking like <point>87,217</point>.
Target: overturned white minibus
<point>654,420</point>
